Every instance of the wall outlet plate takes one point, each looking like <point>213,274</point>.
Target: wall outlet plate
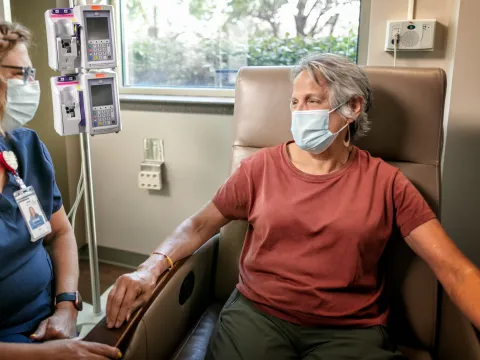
<point>150,176</point>
<point>153,150</point>
<point>150,180</point>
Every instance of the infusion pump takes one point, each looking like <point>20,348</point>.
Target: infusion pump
<point>82,37</point>
<point>86,102</point>
<point>81,45</point>
<point>97,36</point>
<point>101,102</point>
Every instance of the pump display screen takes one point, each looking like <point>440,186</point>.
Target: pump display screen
<point>97,28</point>
<point>103,109</point>
<point>102,95</point>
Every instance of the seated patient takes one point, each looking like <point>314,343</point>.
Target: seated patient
<point>31,281</point>
<point>320,213</point>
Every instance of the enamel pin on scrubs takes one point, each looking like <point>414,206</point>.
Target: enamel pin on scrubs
<point>27,200</point>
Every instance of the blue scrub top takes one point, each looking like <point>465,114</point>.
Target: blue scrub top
<point>26,273</point>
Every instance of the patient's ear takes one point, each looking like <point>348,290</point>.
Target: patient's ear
<point>355,104</point>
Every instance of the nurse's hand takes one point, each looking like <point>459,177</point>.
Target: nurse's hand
<point>75,349</point>
<point>61,325</point>
<point>130,292</point>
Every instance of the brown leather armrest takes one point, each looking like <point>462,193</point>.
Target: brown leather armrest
<point>120,337</point>
<point>164,313</point>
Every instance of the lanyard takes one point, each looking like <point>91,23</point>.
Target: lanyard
<point>27,201</point>
<point>9,161</point>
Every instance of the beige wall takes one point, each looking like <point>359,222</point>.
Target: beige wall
<point>456,54</point>
<point>461,172</point>
<point>383,10</point>
<point>197,152</point>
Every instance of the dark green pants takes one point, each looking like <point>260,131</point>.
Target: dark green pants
<point>243,332</point>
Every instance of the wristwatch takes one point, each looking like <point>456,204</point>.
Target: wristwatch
<point>74,297</point>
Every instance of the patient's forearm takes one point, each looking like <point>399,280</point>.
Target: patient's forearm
<point>184,241</point>
<point>458,275</point>
<point>465,292</point>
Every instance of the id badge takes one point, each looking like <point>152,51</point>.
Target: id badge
<point>32,213</point>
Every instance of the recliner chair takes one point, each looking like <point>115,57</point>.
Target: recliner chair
<point>407,118</point>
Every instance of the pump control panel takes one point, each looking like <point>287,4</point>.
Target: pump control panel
<point>97,36</point>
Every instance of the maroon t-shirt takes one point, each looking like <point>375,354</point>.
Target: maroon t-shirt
<point>312,249</point>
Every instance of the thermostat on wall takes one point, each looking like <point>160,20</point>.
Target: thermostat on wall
<point>417,35</point>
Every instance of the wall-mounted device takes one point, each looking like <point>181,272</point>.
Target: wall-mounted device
<point>150,176</point>
<point>86,103</point>
<point>414,35</point>
<point>61,40</point>
<point>81,39</point>
<point>101,103</point>
<point>97,36</point>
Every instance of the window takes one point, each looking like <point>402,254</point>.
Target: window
<point>202,43</point>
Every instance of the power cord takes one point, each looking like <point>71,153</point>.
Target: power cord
<point>80,189</point>
<point>396,41</point>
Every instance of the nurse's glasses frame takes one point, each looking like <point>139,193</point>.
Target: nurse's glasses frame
<point>28,72</point>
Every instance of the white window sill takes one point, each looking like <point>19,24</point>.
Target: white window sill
<point>170,99</point>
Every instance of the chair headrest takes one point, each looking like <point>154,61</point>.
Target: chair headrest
<point>406,115</point>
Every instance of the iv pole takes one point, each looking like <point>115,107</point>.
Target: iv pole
<point>90,216</point>
<point>90,221</point>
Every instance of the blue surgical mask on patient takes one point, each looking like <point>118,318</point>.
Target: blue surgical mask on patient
<point>22,103</point>
<point>310,129</point>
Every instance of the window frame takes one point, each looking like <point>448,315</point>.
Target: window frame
<point>5,10</point>
<point>185,93</point>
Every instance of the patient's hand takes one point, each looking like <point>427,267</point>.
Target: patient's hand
<point>61,325</point>
<point>129,293</point>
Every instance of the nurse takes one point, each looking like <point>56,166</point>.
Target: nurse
<point>39,300</point>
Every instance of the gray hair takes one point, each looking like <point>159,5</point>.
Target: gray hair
<point>345,80</point>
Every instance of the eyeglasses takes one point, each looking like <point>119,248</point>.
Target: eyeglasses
<point>28,72</point>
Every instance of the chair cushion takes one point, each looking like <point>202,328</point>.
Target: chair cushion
<point>415,354</point>
<point>194,347</point>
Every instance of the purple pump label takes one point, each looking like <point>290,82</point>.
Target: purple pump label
<point>61,13</point>
<point>67,80</point>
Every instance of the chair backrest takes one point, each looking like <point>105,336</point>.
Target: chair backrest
<point>407,118</point>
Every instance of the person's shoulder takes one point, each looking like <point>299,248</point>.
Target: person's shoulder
<point>28,141</point>
<point>253,166</point>
<point>23,135</point>
<point>368,162</point>
<point>262,156</point>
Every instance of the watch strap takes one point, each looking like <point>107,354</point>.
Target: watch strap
<point>68,296</point>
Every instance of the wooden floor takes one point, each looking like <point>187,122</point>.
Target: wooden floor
<point>108,275</point>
